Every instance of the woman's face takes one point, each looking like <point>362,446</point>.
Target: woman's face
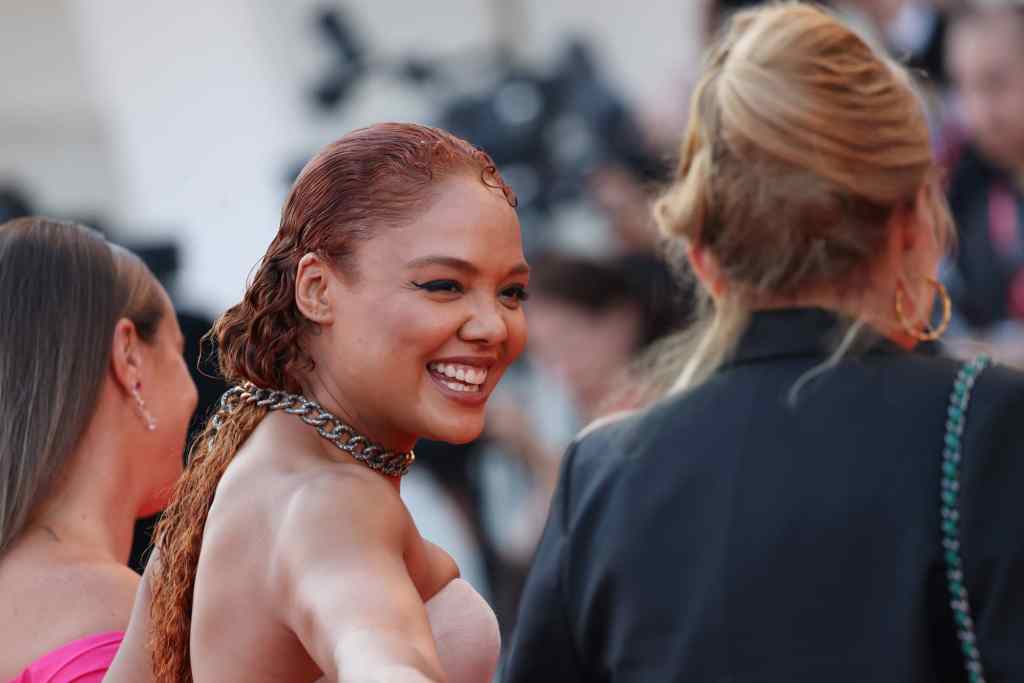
<point>985,53</point>
<point>420,336</point>
<point>170,397</point>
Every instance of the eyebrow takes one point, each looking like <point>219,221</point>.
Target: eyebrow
<point>460,264</point>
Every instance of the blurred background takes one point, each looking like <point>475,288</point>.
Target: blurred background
<point>188,121</point>
<point>177,128</point>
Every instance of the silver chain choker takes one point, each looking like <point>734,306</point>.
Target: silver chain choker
<point>327,425</point>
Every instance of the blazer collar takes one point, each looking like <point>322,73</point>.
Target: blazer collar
<point>796,332</point>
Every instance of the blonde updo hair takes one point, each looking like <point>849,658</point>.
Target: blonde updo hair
<point>802,141</point>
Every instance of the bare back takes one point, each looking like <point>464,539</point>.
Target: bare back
<point>240,597</point>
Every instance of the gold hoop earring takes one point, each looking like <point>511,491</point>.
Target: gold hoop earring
<point>926,334</point>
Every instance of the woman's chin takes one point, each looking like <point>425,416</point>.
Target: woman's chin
<point>456,431</point>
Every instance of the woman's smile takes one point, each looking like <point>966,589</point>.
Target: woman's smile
<point>463,379</point>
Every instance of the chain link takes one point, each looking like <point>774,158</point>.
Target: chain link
<point>949,492</point>
<point>326,424</point>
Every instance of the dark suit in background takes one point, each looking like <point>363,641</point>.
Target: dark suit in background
<point>728,535</point>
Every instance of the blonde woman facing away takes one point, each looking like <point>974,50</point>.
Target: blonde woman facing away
<point>820,498</point>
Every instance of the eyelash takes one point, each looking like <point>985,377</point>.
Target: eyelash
<point>445,286</point>
<point>517,292</point>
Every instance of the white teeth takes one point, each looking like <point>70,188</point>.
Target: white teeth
<point>463,373</point>
<point>458,386</point>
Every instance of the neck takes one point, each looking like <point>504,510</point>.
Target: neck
<point>871,314</point>
<point>331,398</point>
<point>314,390</point>
<point>327,450</point>
<point>95,501</point>
<point>75,518</point>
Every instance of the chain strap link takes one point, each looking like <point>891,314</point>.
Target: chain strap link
<point>327,425</point>
<point>952,456</point>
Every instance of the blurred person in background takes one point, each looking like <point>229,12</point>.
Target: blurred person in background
<point>592,318</point>
<point>95,401</point>
<point>777,516</point>
<point>386,309</point>
<point>624,200</point>
<point>986,172</point>
<point>591,321</point>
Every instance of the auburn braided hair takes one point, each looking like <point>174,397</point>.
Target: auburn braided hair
<point>370,179</point>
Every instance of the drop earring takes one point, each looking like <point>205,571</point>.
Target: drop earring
<point>141,405</point>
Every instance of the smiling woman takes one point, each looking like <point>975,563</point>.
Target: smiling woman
<point>386,309</point>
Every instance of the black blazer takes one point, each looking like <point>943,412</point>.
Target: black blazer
<point>726,535</point>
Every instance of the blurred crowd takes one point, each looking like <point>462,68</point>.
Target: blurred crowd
<point>598,306</point>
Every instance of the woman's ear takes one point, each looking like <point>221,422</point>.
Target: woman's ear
<point>126,355</point>
<point>929,212</point>
<point>914,245</point>
<point>312,290</point>
<point>706,267</point>
<point>911,220</point>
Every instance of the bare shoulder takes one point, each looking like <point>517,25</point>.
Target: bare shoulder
<point>352,507</point>
<point>51,606</point>
<point>341,539</point>
<point>99,594</point>
<point>366,521</point>
<point>112,585</point>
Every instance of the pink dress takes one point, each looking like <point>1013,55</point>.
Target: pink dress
<point>82,661</point>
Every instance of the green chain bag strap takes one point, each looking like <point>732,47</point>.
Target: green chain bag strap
<point>952,453</point>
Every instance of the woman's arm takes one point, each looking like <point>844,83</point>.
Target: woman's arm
<point>346,592</point>
<point>133,663</point>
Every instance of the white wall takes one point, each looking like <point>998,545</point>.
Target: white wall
<point>203,125</point>
<point>52,138</point>
<point>182,117</point>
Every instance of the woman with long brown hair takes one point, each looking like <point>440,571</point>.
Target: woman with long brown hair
<point>386,308</point>
<point>819,498</point>
<point>95,401</point>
